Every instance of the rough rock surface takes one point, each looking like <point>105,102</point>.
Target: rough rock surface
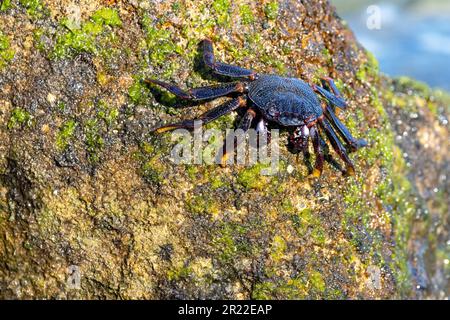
<point>88,194</point>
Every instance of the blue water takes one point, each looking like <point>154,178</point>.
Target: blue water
<point>414,38</point>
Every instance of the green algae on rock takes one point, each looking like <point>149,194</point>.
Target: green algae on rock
<point>35,8</point>
<point>19,117</point>
<point>6,53</point>
<point>6,4</point>
<point>65,134</point>
<point>84,38</point>
<point>84,185</point>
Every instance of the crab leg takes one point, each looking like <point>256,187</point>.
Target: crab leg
<point>337,146</point>
<point>207,117</point>
<point>222,68</point>
<point>243,125</point>
<point>318,166</point>
<point>202,93</point>
<point>334,100</point>
<point>327,81</point>
<point>326,152</point>
<point>343,131</point>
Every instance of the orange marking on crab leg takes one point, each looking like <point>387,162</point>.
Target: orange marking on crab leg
<point>244,125</point>
<point>165,129</point>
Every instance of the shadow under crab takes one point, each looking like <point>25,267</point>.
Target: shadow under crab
<point>267,98</point>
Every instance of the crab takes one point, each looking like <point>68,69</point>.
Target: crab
<point>307,110</point>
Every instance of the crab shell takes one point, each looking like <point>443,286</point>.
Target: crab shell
<point>286,101</point>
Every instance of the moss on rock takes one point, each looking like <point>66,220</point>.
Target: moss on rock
<point>6,53</point>
<point>85,185</point>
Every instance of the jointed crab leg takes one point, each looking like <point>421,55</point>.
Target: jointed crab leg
<point>334,97</point>
<point>327,83</point>
<point>337,145</point>
<point>202,93</point>
<point>207,117</point>
<point>326,151</point>
<point>222,68</point>
<point>318,166</point>
<point>243,125</point>
<point>343,131</point>
<point>334,100</point>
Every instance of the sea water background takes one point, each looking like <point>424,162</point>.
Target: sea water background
<point>414,39</point>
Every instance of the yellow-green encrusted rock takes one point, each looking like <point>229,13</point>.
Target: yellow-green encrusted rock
<point>91,206</point>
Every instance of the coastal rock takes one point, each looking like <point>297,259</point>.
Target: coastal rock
<point>91,205</point>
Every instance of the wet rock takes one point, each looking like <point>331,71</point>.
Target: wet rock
<point>88,193</point>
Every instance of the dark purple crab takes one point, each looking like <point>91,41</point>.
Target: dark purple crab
<point>288,102</point>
